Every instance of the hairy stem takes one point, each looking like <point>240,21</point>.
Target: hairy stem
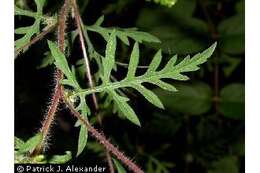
<point>102,139</point>
<point>46,125</point>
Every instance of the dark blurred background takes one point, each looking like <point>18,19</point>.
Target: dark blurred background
<point>202,127</point>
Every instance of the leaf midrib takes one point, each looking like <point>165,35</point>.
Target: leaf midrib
<point>125,83</point>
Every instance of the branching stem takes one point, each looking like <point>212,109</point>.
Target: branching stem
<point>101,138</point>
<point>46,125</point>
<point>40,36</point>
<point>58,95</point>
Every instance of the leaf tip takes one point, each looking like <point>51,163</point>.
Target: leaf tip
<point>212,47</point>
<point>162,106</point>
<point>138,124</point>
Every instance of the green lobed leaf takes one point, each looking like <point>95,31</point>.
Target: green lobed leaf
<point>155,62</point>
<point>188,65</point>
<point>29,31</point>
<point>82,141</point>
<point>153,76</point>
<point>119,167</point>
<point>141,37</point>
<point>122,33</point>
<point>62,64</point>
<point>232,101</point>
<point>40,4</point>
<point>134,60</point>
<point>163,85</point>
<point>34,29</point>
<point>21,12</point>
<point>109,60</point>
<point>100,20</point>
<point>85,111</point>
<point>31,143</point>
<point>123,37</point>
<point>149,95</point>
<point>22,30</point>
<point>127,111</point>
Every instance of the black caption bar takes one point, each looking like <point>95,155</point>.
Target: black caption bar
<point>59,168</point>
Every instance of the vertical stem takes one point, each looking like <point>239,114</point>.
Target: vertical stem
<point>85,34</point>
<point>79,24</point>
<point>83,47</point>
<point>46,125</point>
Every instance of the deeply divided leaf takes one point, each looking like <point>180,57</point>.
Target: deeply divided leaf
<point>134,60</point>
<point>171,70</point>
<point>109,60</point>
<point>29,31</point>
<point>122,33</point>
<point>62,64</point>
<point>127,111</point>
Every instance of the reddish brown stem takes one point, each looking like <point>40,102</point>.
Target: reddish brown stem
<point>83,47</point>
<point>102,139</point>
<point>46,125</point>
<point>58,94</point>
<point>79,23</point>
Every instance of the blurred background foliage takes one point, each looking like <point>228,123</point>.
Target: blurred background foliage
<point>202,126</point>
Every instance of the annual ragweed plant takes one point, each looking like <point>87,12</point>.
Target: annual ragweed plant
<point>101,85</point>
